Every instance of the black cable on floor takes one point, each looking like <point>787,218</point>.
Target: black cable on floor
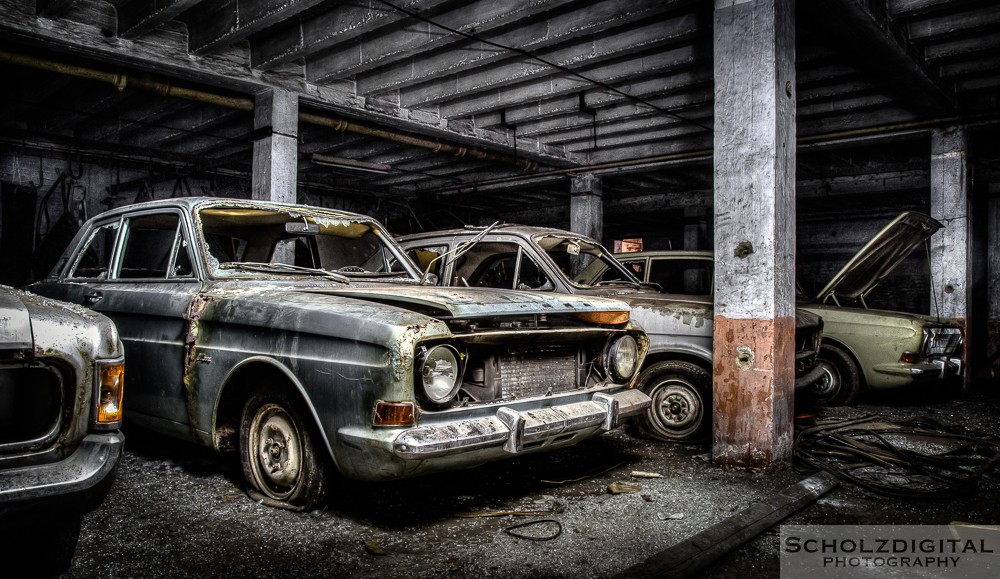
<point>919,458</point>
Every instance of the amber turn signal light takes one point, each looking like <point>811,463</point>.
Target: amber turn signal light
<point>393,414</point>
<point>110,389</point>
<point>909,358</point>
<point>604,318</point>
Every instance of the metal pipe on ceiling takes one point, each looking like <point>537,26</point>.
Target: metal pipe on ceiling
<point>344,125</point>
<point>148,83</point>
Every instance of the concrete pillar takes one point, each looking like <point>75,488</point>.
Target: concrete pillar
<point>586,206</point>
<point>586,214</point>
<point>696,228</point>
<point>754,371</point>
<point>275,150</point>
<point>951,248</point>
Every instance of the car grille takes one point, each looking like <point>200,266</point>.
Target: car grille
<point>941,341</point>
<point>31,400</point>
<point>527,372</point>
<point>806,349</point>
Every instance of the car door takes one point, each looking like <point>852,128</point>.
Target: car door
<point>138,271</point>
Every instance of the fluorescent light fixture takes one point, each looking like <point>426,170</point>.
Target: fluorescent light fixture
<point>349,164</point>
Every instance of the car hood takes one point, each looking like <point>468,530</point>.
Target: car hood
<point>881,255</point>
<point>480,302</point>
<point>29,321</point>
<point>833,314</point>
<point>15,321</point>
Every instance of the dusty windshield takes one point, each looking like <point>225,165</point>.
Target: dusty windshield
<point>263,242</point>
<point>585,263</point>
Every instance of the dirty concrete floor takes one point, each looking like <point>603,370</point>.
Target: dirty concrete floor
<point>178,511</point>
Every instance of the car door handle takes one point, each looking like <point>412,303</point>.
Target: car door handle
<point>93,297</point>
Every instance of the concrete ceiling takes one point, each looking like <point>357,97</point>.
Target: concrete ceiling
<point>622,88</point>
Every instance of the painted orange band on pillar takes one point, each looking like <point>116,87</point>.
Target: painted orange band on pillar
<point>754,391</point>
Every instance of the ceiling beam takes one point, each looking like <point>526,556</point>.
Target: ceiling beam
<point>531,37</point>
<point>220,23</point>
<point>342,23</point>
<point>53,8</point>
<point>418,37</point>
<point>137,17</point>
<point>559,83</point>
<point>589,52</point>
<point>882,48</point>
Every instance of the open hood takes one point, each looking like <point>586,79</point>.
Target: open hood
<point>478,302</point>
<point>880,256</point>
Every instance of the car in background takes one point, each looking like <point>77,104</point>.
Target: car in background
<point>862,348</point>
<point>61,386</point>
<point>677,374</point>
<point>299,337</point>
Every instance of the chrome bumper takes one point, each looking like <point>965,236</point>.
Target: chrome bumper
<point>95,458</point>
<point>939,368</point>
<point>513,429</point>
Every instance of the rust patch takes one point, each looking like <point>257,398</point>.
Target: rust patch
<point>754,389</point>
<point>193,316</point>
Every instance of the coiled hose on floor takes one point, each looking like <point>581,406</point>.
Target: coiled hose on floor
<point>918,458</point>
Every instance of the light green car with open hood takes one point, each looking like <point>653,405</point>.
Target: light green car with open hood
<point>862,347</point>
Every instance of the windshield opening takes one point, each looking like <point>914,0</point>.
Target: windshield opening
<point>584,263</point>
<point>255,242</point>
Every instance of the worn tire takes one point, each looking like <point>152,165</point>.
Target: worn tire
<point>841,381</point>
<point>278,450</point>
<point>682,402</point>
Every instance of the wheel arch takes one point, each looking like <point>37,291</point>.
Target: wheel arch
<point>672,355</point>
<point>850,354</point>
<point>242,381</point>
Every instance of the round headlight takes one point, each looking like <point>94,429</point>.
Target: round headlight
<point>440,373</point>
<point>623,358</point>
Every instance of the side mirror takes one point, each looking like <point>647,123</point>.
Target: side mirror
<point>429,279</point>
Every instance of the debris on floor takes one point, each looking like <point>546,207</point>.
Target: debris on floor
<point>915,458</point>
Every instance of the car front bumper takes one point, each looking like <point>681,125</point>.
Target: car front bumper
<point>932,369</point>
<point>517,430</point>
<point>94,460</point>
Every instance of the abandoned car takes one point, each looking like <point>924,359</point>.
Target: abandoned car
<point>61,384</point>
<point>677,371</point>
<point>862,348</point>
<point>301,338</point>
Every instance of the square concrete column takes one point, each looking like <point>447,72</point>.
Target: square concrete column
<point>696,227</point>
<point>951,247</point>
<point>586,213</point>
<point>754,369</point>
<point>586,206</point>
<point>275,148</point>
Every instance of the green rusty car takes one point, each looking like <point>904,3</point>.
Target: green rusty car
<point>301,339</point>
<point>862,348</point>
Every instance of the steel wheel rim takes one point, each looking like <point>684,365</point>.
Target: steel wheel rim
<point>276,449</point>
<point>677,408</point>
<point>827,387</point>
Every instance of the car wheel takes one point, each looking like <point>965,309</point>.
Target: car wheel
<point>840,383</point>
<point>278,453</point>
<point>682,402</point>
